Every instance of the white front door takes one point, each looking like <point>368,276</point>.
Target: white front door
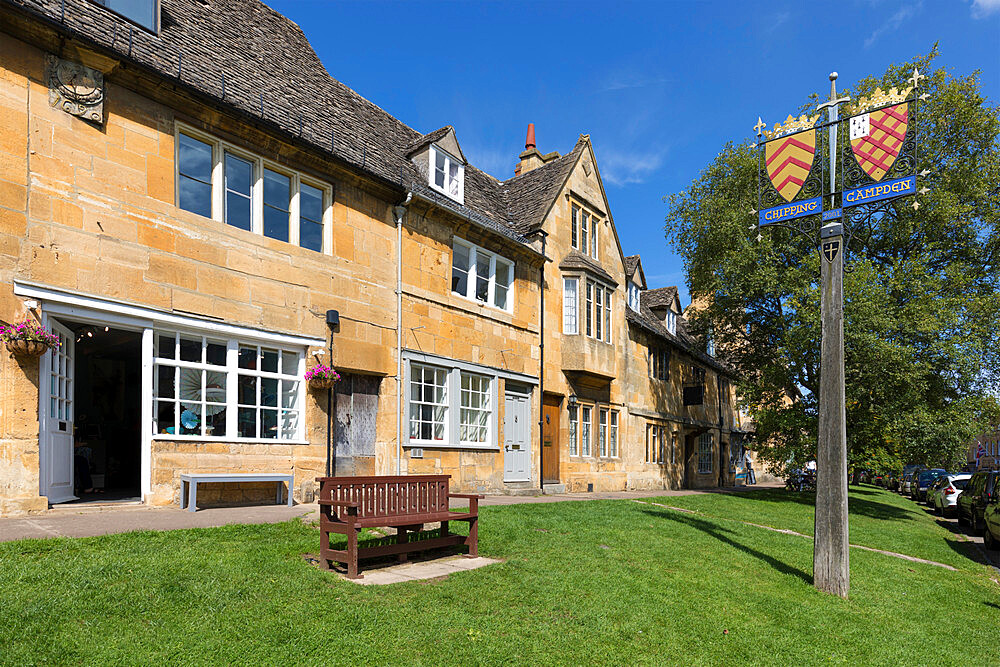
<point>57,418</point>
<point>516,432</point>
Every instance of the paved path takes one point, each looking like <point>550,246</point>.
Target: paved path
<point>88,521</point>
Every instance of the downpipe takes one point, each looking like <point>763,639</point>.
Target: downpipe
<point>399,211</point>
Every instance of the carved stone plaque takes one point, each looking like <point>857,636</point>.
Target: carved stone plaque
<point>76,89</point>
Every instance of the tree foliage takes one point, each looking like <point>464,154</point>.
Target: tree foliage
<point>921,291</point>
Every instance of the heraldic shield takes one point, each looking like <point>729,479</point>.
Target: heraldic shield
<point>788,161</point>
<point>877,138</point>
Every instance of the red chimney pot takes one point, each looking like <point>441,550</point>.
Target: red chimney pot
<point>529,142</point>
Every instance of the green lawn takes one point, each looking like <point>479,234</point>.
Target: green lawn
<point>611,582</point>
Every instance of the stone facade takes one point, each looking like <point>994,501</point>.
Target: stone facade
<point>92,234</point>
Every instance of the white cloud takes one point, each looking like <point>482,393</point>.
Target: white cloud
<point>625,80</point>
<point>628,167</point>
<point>983,8</point>
<point>894,22</point>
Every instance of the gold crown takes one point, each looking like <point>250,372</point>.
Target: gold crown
<point>791,125</point>
<point>880,98</point>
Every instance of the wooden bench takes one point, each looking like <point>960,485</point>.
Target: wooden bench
<point>405,502</point>
<point>192,480</point>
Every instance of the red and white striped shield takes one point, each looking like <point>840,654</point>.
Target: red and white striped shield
<point>789,160</point>
<point>877,137</point>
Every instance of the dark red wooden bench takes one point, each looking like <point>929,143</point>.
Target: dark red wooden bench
<point>405,502</point>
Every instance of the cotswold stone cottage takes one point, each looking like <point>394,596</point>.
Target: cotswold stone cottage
<point>187,196</point>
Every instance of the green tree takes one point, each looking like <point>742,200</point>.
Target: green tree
<point>921,291</point>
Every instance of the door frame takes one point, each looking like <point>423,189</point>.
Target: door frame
<point>526,395</point>
<point>551,401</point>
<point>45,444</point>
<point>60,314</point>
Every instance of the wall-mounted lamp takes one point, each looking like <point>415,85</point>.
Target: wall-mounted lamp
<point>572,399</point>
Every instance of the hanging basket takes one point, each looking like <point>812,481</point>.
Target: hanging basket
<point>322,382</point>
<point>26,348</point>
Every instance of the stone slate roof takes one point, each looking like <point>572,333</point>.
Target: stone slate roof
<point>248,57</point>
<point>645,319</point>
<point>631,264</point>
<point>429,138</point>
<point>577,260</point>
<point>661,297</point>
<point>531,194</point>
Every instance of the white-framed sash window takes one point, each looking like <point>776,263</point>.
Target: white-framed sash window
<point>476,409</point>
<point>480,275</point>
<point>428,404</point>
<point>447,174</point>
<point>221,181</point>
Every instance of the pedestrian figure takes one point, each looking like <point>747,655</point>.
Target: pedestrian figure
<point>751,476</point>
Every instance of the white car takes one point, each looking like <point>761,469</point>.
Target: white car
<point>944,495</point>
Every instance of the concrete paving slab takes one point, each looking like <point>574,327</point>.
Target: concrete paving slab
<point>419,571</point>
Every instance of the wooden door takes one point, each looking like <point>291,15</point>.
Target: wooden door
<point>356,399</point>
<point>550,440</point>
<point>57,422</point>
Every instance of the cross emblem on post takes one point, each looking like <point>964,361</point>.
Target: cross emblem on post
<point>759,126</point>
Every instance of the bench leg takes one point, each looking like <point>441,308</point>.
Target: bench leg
<point>352,554</point>
<point>183,497</point>
<point>444,529</point>
<point>472,541</point>
<point>290,484</point>
<point>402,537</point>
<point>192,496</point>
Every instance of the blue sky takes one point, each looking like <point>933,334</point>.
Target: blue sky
<point>660,87</point>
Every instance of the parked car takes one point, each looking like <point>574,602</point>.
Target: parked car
<point>904,486</point>
<point>971,504</point>
<point>991,523</point>
<point>922,481</point>
<point>904,479</point>
<point>944,493</point>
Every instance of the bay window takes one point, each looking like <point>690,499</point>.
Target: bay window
<point>590,307</point>
<point>225,389</point>
<point>225,183</point>
<point>570,305</point>
<point>598,311</point>
<point>585,431</point>
<point>574,222</point>
<point>481,275</point>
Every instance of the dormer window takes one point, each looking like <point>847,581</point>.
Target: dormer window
<point>145,13</point>
<point>447,174</point>
<point>633,296</point>
<point>672,322</point>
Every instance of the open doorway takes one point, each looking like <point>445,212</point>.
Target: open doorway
<point>106,396</point>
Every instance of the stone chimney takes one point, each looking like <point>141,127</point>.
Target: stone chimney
<point>531,158</point>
